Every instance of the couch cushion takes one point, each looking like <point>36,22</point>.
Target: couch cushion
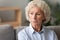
<point>6,32</point>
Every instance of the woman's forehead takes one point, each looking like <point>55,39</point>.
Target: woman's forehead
<point>35,8</point>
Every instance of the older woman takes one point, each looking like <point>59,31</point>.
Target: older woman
<point>37,13</point>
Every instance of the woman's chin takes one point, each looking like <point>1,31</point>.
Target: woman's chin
<point>34,23</point>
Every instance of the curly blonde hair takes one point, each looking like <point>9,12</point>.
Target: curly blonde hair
<point>42,5</point>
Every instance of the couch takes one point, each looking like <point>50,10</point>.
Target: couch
<point>7,32</point>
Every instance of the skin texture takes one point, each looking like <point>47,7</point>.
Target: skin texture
<point>36,16</point>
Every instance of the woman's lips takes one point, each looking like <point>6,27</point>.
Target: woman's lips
<point>35,21</point>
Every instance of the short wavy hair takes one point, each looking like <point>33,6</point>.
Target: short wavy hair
<point>42,5</point>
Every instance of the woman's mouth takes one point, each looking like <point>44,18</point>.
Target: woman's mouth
<point>34,21</point>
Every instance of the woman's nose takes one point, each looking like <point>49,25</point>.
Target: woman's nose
<point>34,16</point>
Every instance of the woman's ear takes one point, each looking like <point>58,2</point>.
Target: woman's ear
<point>44,19</point>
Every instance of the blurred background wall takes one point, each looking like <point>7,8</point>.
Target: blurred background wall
<point>9,15</point>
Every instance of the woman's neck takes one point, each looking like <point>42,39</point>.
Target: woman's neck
<point>37,27</point>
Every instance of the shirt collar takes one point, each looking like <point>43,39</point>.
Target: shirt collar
<point>33,31</point>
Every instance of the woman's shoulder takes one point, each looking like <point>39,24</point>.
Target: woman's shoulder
<point>22,34</point>
<point>50,31</point>
<point>24,30</point>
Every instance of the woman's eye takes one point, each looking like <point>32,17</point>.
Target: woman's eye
<point>38,14</point>
<point>31,13</point>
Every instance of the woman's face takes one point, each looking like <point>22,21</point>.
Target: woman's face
<point>36,16</point>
